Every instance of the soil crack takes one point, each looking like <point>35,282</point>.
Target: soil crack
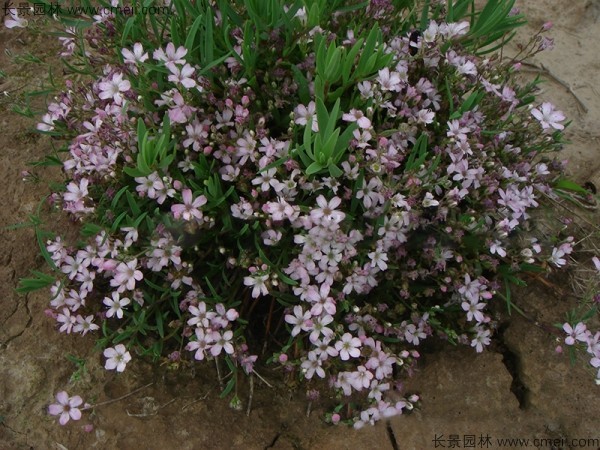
<point>273,441</point>
<point>513,365</point>
<point>392,436</point>
<point>27,325</point>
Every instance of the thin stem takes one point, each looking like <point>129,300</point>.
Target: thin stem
<point>107,402</point>
<point>217,365</point>
<point>250,396</point>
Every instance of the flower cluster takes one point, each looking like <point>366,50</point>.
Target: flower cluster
<point>581,334</point>
<point>345,201</point>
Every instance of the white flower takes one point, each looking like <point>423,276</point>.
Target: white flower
<point>67,407</point>
<point>114,88</point>
<point>389,81</point>
<point>429,200</point>
<point>579,333</point>
<point>548,116</point>
<point>135,56</point>
<point>115,305</point>
<point>557,257</point>
<point>76,192</point>
<point>496,247</point>
<point>258,284</point>
<point>596,262</point>
<point>117,358</point>
<point>348,346</point>
<point>12,19</point>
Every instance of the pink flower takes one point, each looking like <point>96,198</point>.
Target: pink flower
<point>67,320</point>
<point>114,88</point>
<point>67,407</point>
<point>182,75</point>
<point>135,56</point>
<point>171,56</point>
<point>348,346</point>
<point>12,19</point>
<point>179,111</point>
<point>76,192</point>
<point>578,333</point>
<point>117,358</point>
<point>115,305</point>
<point>258,284</point>
<point>201,344</point>
<point>548,116</point>
<point>389,81</point>
<point>190,207</point>
<point>596,262</point>
<point>496,247</point>
<point>222,341</point>
<point>356,115</point>
<point>326,211</point>
<point>85,324</point>
<point>482,338</point>
<point>126,275</point>
<point>312,365</point>
<point>473,311</point>
<point>303,114</point>
<point>557,257</point>
<point>300,320</point>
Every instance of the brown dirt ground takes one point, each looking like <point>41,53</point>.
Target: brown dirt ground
<point>519,388</point>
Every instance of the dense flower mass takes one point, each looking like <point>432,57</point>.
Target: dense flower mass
<point>344,189</point>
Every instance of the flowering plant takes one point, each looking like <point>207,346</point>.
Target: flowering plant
<point>334,181</point>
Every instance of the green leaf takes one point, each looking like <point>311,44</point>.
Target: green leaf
<point>349,61</point>
<point>90,229</point>
<point>159,324</point>
<point>315,167</point>
<point>117,222</point>
<point>335,171</point>
<point>133,204</point>
<point>209,44</point>
<point>40,236</point>
<point>303,89</point>
<point>229,387</point>
<point>568,185</point>
<point>40,281</point>
<point>191,37</point>
<point>367,51</point>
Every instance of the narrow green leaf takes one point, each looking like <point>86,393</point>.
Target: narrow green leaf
<point>191,37</point>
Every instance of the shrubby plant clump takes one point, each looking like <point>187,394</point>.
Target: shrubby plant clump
<point>335,182</point>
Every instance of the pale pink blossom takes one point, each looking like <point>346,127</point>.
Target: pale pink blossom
<point>201,344</point>
<point>67,407</point>
<point>12,19</point>
<point>389,81</point>
<point>76,192</point>
<point>579,333</point>
<point>327,210</point>
<point>303,114</point>
<point>348,347</point>
<point>300,320</point>
<point>117,358</point>
<point>115,305</point>
<point>548,116</point>
<point>182,75</point>
<point>114,88</point>
<point>136,56</point>
<point>190,208</point>
<point>258,284</point>
<point>126,275</point>
<point>356,115</point>
<point>170,56</point>
<point>222,341</point>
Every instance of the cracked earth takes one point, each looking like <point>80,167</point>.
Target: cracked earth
<point>519,388</point>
